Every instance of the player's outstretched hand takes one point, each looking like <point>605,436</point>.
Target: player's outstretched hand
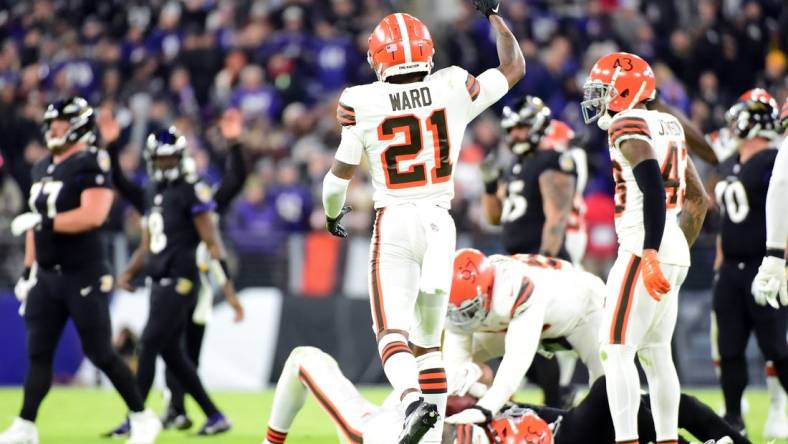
<point>108,126</point>
<point>24,222</point>
<point>473,415</point>
<point>462,379</point>
<point>231,124</point>
<point>487,7</point>
<point>334,227</point>
<point>491,172</point>
<point>770,282</point>
<point>653,279</point>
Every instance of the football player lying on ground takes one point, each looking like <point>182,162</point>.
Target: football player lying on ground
<point>308,369</point>
<point>516,303</point>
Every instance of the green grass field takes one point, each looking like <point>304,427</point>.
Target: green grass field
<point>78,416</point>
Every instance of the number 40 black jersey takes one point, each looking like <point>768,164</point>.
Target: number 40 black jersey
<point>523,215</point>
<point>58,188</point>
<point>741,197</point>
<point>169,219</point>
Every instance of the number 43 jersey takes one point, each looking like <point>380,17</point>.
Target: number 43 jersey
<point>58,188</point>
<point>173,238</point>
<point>741,196</point>
<point>666,137</point>
<point>411,133</point>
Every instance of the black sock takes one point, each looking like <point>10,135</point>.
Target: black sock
<point>37,383</point>
<point>733,378</point>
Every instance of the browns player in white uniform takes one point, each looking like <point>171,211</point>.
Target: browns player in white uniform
<point>660,206</point>
<point>409,125</point>
<point>514,304</point>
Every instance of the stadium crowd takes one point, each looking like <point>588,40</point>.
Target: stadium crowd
<point>283,63</point>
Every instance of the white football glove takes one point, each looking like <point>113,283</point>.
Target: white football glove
<point>467,416</point>
<point>770,282</point>
<point>461,380</point>
<point>22,289</point>
<point>24,222</point>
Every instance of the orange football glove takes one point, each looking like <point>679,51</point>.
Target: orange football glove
<point>653,279</point>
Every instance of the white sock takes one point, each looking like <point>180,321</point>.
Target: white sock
<point>567,360</point>
<point>289,397</point>
<point>400,367</point>
<point>623,389</point>
<point>664,388</point>
<point>432,381</point>
<point>777,398</point>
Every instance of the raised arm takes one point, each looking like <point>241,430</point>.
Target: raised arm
<point>231,126</point>
<point>695,139</point>
<point>110,132</point>
<point>695,205</point>
<point>510,56</point>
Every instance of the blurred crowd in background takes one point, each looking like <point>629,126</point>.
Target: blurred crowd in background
<point>283,63</point>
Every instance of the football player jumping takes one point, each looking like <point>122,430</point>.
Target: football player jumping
<point>513,304</point>
<point>660,205</point>
<point>409,125</point>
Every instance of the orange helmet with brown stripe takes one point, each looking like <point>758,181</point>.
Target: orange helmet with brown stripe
<point>400,44</point>
<point>617,82</point>
<point>518,425</point>
<point>558,136</point>
<point>471,289</point>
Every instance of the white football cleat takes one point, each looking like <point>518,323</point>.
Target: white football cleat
<point>776,426</point>
<point>21,431</point>
<point>145,427</point>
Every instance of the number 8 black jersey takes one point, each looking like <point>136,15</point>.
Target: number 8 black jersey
<point>741,198</point>
<point>170,224</point>
<point>522,216</point>
<point>58,188</point>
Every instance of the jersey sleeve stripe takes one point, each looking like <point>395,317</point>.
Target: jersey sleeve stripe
<point>629,125</point>
<point>526,289</point>
<point>345,119</point>
<point>347,109</point>
<point>352,435</point>
<point>472,85</point>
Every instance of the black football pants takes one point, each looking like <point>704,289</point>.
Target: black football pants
<point>737,316</point>
<point>192,341</point>
<point>83,296</point>
<point>171,303</point>
<point>590,421</point>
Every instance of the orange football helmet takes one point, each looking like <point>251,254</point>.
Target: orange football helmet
<point>400,44</point>
<point>519,425</point>
<point>617,82</point>
<point>558,135</point>
<point>471,289</point>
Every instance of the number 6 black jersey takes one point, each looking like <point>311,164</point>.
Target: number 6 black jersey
<point>522,216</point>
<point>741,197</point>
<point>170,224</point>
<point>58,188</point>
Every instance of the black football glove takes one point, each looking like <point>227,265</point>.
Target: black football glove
<point>333,226</point>
<point>487,7</point>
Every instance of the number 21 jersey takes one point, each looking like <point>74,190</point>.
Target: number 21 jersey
<point>666,137</point>
<point>411,133</point>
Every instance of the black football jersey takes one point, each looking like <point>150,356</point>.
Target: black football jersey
<point>169,219</point>
<point>58,188</point>
<point>523,217</point>
<point>741,197</point>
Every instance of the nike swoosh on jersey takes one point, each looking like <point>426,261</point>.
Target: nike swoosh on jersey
<point>85,291</point>
<point>497,8</point>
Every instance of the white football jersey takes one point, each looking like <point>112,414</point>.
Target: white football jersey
<point>526,279</point>
<point>666,136</point>
<point>411,133</point>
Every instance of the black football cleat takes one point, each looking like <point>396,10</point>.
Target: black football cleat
<point>420,416</point>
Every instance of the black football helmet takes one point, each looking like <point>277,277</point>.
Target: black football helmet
<point>80,117</point>
<point>755,114</point>
<point>167,143</point>
<point>530,112</point>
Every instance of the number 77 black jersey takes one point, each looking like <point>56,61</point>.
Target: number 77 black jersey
<point>741,197</point>
<point>57,188</point>
<point>169,219</point>
<point>411,133</point>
